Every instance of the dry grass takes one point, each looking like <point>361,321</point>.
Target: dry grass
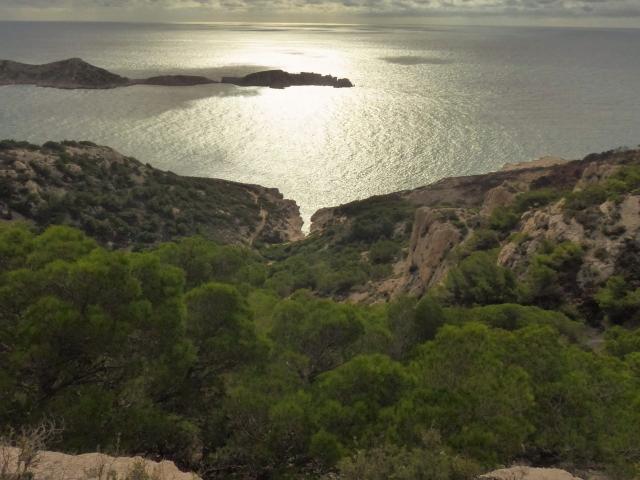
<point>23,456</point>
<point>20,449</point>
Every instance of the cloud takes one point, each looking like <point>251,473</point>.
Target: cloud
<point>559,8</point>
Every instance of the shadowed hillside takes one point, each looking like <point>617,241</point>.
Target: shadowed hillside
<point>125,203</point>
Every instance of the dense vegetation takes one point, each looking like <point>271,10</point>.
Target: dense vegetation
<point>343,259</point>
<point>122,202</point>
<point>229,363</point>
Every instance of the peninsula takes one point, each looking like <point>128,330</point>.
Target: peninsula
<point>75,73</point>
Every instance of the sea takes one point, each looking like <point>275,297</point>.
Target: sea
<point>429,101</point>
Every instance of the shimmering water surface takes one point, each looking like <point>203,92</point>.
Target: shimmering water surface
<point>429,102</point>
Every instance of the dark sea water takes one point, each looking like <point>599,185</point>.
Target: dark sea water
<point>430,102</point>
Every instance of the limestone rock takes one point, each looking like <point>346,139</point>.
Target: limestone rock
<point>92,466</point>
<point>528,473</point>
<point>432,239</point>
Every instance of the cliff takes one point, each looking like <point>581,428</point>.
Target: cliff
<point>123,202</point>
<point>366,251</point>
<point>593,203</point>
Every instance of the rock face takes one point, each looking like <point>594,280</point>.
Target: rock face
<point>449,212</point>
<point>75,73</point>
<point>432,239</point>
<point>282,79</point>
<point>122,202</point>
<point>529,473</point>
<point>92,466</point>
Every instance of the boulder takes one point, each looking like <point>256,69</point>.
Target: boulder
<point>90,466</point>
<point>528,473</point>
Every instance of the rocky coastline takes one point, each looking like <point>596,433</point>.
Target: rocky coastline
<point>125,203</point>
<point>75,73</point>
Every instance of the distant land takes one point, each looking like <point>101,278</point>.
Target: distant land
<point>281,79</point>
<point>75,73</point>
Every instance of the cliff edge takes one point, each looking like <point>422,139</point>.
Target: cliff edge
<point>122,202</point>
<point>589,206</point>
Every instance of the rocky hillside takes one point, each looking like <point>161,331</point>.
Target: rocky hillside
<point>586,211</point>
<point>524,348</point>
<point>123,203</point>
<point>70,73</point>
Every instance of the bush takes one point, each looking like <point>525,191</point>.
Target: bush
<point>431,460</point>
<point>535,199</point>
<point>551,275</point>
<point>54,147</point>
<point>503,220</point>
<point>478,280</point>
<point>384,251</point>
<point>619,302</point>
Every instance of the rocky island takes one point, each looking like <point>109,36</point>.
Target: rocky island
<point>75,73</point>
<point>281,79</point>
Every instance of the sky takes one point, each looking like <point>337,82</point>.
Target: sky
<point>624,13</point>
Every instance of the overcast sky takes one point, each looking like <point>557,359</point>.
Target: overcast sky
<point>561,12</point>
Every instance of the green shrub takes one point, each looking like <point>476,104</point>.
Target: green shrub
<point>478,280</point>
<point>431,460</point>
<point>619,302</point>
<point>586,198</point>
<point>552,274</point>
<point>503,220</point>
<point>384,251</point>
<point>535,199</point>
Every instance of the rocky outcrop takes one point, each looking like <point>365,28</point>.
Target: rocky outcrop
<point>528,473</point>
<point>432,239</point>
<point>123,203</point>
<point>71,73</point>
<point>282,79</point>
<point>448,212</point>
<point>90,466</point>
<point>604,237</point>
<point>482,192</point>
<point>75,73</point>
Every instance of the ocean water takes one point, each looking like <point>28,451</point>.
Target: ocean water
<point>429,102</point>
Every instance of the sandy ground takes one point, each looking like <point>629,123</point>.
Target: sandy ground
<point>528,473</point>
<point>91,466</point>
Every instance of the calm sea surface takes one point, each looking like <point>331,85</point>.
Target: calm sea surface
<point>429,102</point>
